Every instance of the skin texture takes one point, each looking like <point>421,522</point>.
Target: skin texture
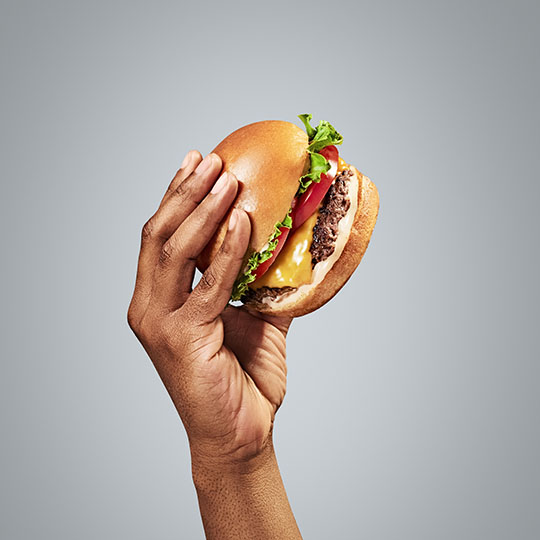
<point>223,366</point>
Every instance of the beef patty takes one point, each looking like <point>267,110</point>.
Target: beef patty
<point>335,205</point>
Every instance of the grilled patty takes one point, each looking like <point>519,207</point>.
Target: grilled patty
<point>335,205</point>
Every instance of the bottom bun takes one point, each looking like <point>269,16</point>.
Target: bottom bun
<point>307,298</point>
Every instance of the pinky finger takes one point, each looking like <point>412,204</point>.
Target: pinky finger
<point>212,293</point>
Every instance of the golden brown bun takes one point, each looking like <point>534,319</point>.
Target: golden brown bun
<point>338,275</point>
<point>268,158</point>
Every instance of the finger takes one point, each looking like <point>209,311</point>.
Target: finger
<point>167,219</point>
<point>190,163</point>
<point>213,291</point>
<point>185,198</point>
<point>282,323</point>
<point>174,273</point>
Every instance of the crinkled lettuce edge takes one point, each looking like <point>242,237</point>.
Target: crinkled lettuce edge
<point>320,137</point>
<point>257,258</point>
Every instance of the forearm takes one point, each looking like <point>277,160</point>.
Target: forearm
<point>244,501</point>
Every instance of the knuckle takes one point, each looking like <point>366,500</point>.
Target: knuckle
<point>208,280</point>
<point>166,254</point>
<point>148,229</point>
<point>142,326</point>
<point>149,330</point>
<point>132,318</point>
<point>227,249</point>
<point>183,190</point>
<point>170,190</point>
<point>160,334</point>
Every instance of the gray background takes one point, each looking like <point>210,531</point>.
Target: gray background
<point>412,405</point>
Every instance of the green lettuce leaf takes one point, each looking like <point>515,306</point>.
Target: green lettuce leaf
<point>257,258</point>
<point>306,119</point>
<point>323,135</point>
<point>319,165</point>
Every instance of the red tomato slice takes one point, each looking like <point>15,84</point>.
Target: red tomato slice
<point>310,200</point>
<point>262,268</point>
<point>332,155</point>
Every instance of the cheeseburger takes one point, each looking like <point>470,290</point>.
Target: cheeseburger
<point>312,214</point>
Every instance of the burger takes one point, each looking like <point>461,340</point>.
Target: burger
<point>312,215</point>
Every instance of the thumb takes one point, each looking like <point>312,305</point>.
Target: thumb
<point>212,293</point>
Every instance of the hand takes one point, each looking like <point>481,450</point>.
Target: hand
<point>223,366</point>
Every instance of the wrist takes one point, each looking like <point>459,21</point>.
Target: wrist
<point>242,499</point>
<point>210,470</point>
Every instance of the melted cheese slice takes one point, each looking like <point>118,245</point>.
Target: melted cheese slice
<point>292,266</point>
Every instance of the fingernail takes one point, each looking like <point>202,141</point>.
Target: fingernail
<point>205,164</point>
<point>233,219</point>
<point>187,159</point>
<point>222,182</point>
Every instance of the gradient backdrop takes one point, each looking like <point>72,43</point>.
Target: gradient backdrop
<point>413,401</point>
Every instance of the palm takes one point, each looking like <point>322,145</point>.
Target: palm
<point>246,379</point>
<point>258,342</point>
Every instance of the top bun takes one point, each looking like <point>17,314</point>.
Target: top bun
<point>268,158</point>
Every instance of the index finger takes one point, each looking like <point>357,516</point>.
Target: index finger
<point>174,208</point>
